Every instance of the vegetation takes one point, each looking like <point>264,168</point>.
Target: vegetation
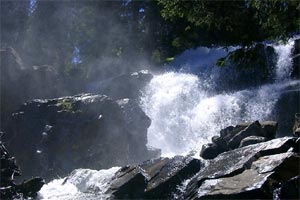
<point>95,39</point>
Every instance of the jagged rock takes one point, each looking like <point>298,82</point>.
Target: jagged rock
<point>210,151</point>
<point>296,128</point>
<point>123,86</point>
<point>8,188</point>
<point>97,131</point>
<point>288,190</point>
<point>257,182</point>
<point>285,109</point>
<point>236,161</point>
<point>20,83</point>
<point>252,140</point>
<point>231,137</point>
<point>153,179</point>
<point>253,129</point>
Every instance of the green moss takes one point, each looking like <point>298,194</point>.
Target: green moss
<point>66,104</point>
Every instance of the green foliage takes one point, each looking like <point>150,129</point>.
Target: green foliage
<point>236,22</point>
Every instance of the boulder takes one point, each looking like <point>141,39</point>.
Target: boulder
<point>8,188</point>
<point>231,174</point>
<point>154,179</point>
<point>285,109</point>
<point>52,137</point>
<point>237,136</point>
<point>122,86</point>
<point>210,151</point>
<point>20,83</point>
<point>252,140</point>
<point>288,190</point>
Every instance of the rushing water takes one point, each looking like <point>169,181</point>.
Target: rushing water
<point>185,113</point>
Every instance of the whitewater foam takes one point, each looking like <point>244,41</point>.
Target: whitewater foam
<point>80,184</point>
<point>186,112</point>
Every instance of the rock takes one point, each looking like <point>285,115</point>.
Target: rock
<point>210,151</point>
<point>285,109</point>
<point>20,83</point>
<point>296,128</point>
<point>253,129</point>
<point>252,140</point>
<point>288,190</point>
<point>257,182</point>
<point>234,162</point>
<point>153,179</point>
<point>269,129</point>
<point>231,137</point>
<point>122,86</point>
<point>8,188</point>
<point>296,60</point>
<point>97,131</point>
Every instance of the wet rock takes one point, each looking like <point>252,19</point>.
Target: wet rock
<point>8,188</point>
<point>123,86</point>
<point>253,129</point>
<point>231,137</point>
<point>153,179</point>
<point>252,140</point>
<point>236,161</point>
<point>288,190</point>
<point>210,151</point>
<point>285,109</point>
<point>296,128</point>
<point>97,131</point>
<point>257,182</point>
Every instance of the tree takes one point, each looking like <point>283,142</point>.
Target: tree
<point>235,22</point>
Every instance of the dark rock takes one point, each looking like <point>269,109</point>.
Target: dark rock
<point>123,86</point>
<point>20,83</point>
<point>220,142</point>
<point>257,182</point>
<point>97,131</point>
<point>296,60</point>
<point>288,190</point>
<point>269,129</point>
<point>234,162</point>
<point>210,151</point>
<point>252,140</point>
<point>285,109</point>
<point>253,129</point>
<point>154,179</point>
<point>296,128</point>
<point>8,188</point>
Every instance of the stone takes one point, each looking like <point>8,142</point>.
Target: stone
<point>157,178</point>
<point>252,140</point>
<point>8,188</point>
<point>122,86</point>
<point>288,190</point>
<point>97,131</point>
<point>253,129</point>
<point>256,182</point>
<point>231,163</point>
<point>210,151</point>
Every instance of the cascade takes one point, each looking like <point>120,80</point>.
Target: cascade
<point>186,113</point>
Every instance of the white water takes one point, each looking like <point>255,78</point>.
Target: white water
<point>185,114</point>
<point>81,184</point>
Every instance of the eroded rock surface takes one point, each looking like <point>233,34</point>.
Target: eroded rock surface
<point>54,136</point>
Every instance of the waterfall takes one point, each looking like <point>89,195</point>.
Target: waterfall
<point>186,113</point>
